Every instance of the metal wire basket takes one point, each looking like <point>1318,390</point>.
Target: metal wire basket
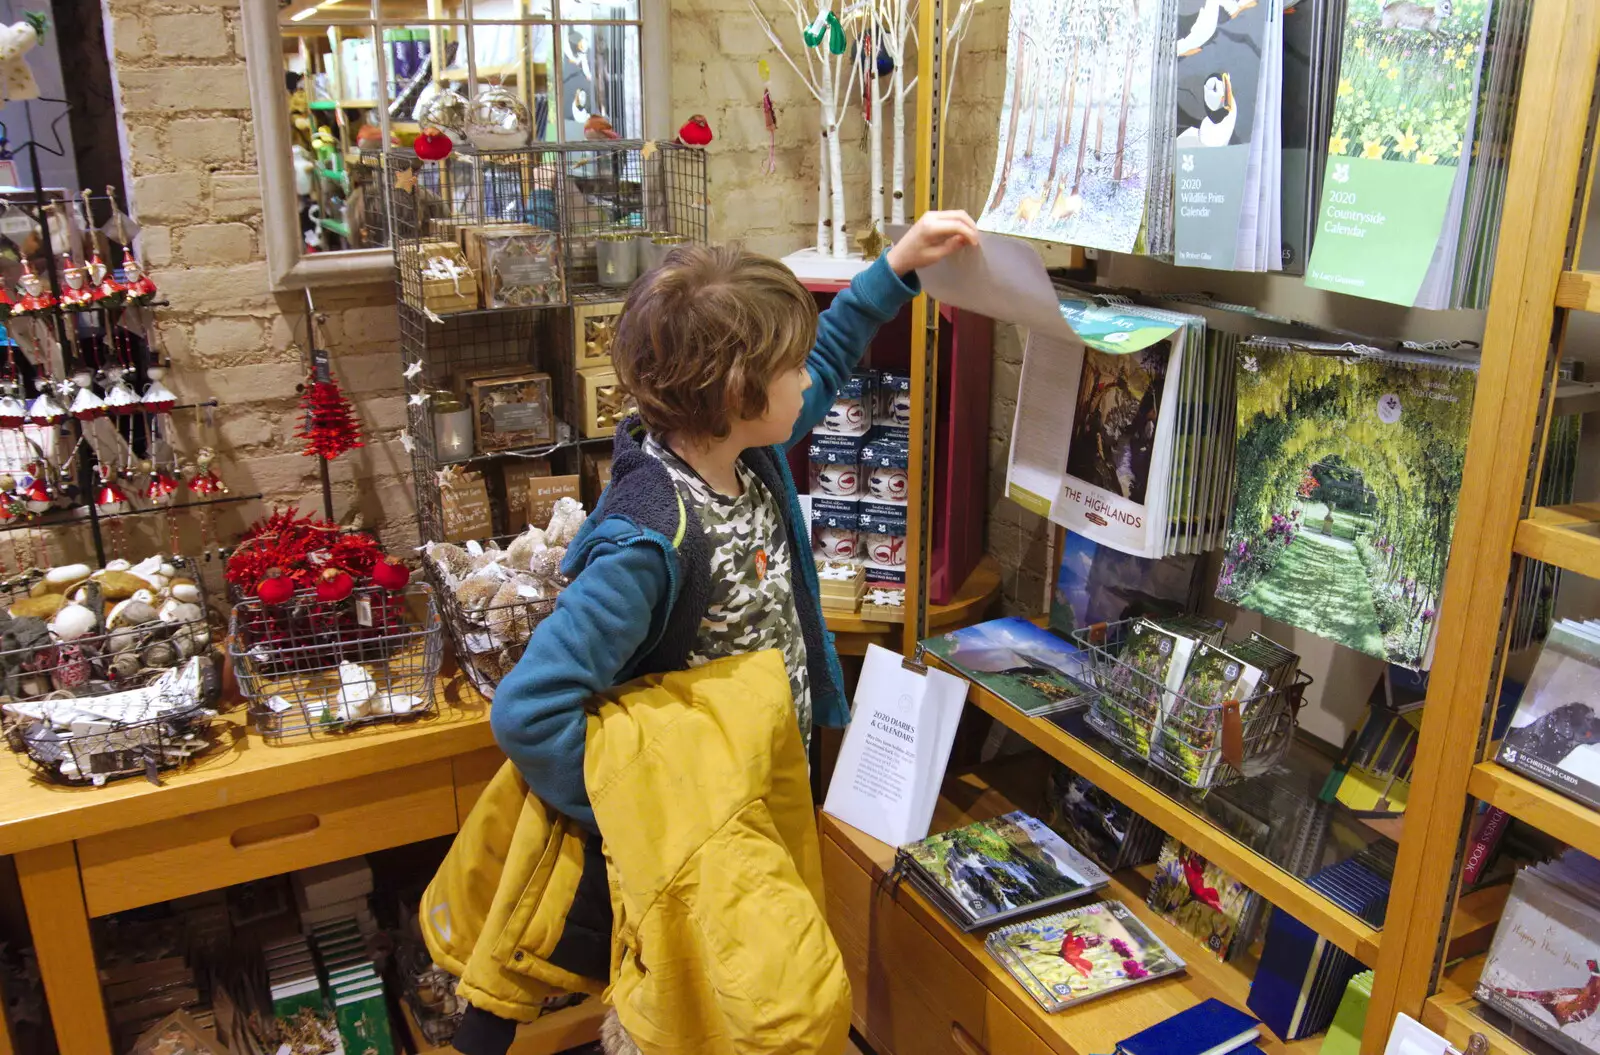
<point>131,646</point>
<point>1179,735</point>
<point>311,668</point>
<point>489,639</point>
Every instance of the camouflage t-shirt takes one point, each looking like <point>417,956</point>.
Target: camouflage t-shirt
<point>752,585</point>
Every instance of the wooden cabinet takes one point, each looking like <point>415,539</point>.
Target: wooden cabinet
<point>233,844</point>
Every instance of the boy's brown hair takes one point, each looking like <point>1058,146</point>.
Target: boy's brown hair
<point>703,334</point>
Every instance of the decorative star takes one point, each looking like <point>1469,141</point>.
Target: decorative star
<point>871,243</point>
<point>417,399</point>
<point>406,180</point>
<point>647,151</point>
<point>407,442</point>
<point>414,369</point>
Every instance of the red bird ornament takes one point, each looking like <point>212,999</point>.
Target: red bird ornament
<point>1194,872</point>
<point>597,127</point>
<point>696,132</point>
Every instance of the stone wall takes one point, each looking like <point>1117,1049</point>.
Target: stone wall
<point>189,149</point>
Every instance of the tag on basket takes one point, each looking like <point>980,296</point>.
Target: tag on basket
<point>1232,735</point>
<point>364,611</point>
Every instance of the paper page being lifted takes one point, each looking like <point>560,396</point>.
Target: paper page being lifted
<point>1046,397</point>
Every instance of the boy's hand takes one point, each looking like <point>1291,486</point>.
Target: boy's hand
<point>933,237</point>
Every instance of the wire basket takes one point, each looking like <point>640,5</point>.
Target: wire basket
<point>1178,735</point>
<point>142,730</point>
<point>311,668</point>
<point>489,639</point>
<point>430,991</point>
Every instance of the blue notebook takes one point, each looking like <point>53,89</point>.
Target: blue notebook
<point>1208,1028</point>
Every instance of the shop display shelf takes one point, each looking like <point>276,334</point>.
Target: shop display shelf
<point>1281,887</point>
<point>1096,1026</point>
<point>1545,808</point>
<point>1566,536</point>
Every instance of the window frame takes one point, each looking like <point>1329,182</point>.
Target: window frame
<point>288,265</point>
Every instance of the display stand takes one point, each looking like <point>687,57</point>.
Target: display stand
<point>923,986</point>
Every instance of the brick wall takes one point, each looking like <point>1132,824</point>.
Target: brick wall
<point>189,149</point>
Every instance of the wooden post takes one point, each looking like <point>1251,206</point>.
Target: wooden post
<point>60,924</point>
<point>1552,128</point>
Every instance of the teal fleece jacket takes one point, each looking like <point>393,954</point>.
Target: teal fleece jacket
<point>617,619</point>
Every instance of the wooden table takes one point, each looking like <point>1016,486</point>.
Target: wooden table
<point>244,811</point>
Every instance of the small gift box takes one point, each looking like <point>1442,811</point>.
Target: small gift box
<point>593,328</point>
<point>885,458</point>
<point>893,402</point>
<point>445,283</point>
<point>836,466</point>
<point>841,585</point>
<point>520,265</point>
<point>603,402</point>
<point>511,411</point>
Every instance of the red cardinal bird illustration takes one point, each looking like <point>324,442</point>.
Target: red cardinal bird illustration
<point>1194,871</point>
<point>1569,1005</point>
<point>695,132</point>
<point>597,127</point>
<point>1072,948</point>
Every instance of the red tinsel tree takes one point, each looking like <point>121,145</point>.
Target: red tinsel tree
<point>329,426</point>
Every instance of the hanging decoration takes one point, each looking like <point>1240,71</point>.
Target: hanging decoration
<point>16,40</point>
<point>769,117</point>
<point>329,427</point>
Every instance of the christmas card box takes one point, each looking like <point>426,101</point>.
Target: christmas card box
<point>1543,969</point>
<point>1555,734</point>
<point>596,477</point>
<point>602,404</point>
<point>464,506</point>
<point>514,476</point>
<point>545,491</point>
<point>593,328</point>
<point>364,1022</point>
<point>512,411</point>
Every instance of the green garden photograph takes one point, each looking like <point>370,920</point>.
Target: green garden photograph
<point>1348,472</point>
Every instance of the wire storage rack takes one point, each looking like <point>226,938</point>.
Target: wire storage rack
<point>1177,734</point>
<point>310,667</point>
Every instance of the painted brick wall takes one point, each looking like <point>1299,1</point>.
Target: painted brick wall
<point>189,149</point>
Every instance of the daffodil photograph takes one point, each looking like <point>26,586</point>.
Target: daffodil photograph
<point>1406,80</point>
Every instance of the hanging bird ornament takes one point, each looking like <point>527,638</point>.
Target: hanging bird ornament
<point>769,117</point>
<point>16,40</point>
<point>696,132</point>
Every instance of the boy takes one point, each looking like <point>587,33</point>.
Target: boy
<point>698,549</point>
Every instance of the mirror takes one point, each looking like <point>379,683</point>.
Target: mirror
<point>336,82</point>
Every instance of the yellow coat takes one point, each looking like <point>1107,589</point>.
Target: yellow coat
<point>718,945</point>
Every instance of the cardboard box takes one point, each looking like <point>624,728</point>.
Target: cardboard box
<point>545,491</point>
<point>439,295</point>
<point>602,404</point>
<point>512,411</point>
<point>596,477</point>
<point>841,585</point>
<point>518,265</point>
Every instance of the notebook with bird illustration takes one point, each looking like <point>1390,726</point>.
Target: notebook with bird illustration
<point>1200,899</point>
<point>1069,957</point>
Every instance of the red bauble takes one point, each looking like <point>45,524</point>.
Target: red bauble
<point>391,574</point>
<point>329,428</point>
<point>275,587</point>
<point>433,145</point>
<point>334,585</point>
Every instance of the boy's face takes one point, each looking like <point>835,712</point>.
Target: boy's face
<point>785,399</point>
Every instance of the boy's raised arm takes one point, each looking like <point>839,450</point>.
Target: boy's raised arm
<point>599,623</point>
<point>845,331</point>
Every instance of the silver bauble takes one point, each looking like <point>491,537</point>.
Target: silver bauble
<point>497,120</point>
<point>446,111</point>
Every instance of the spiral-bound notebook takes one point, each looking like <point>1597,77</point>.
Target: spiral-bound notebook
<point>1069,957</point>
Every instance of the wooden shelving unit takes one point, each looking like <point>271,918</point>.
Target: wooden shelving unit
<point>1550,811</point>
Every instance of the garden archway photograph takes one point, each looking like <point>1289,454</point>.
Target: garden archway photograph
<point>1347,479</point>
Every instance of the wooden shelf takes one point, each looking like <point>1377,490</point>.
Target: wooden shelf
<point>1565,536</point>
<point>1550,811</point>
<point>1099,1024</point>
<point>1579,290</point>
<point>1452,1012</point>
<point>1344,929</point>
